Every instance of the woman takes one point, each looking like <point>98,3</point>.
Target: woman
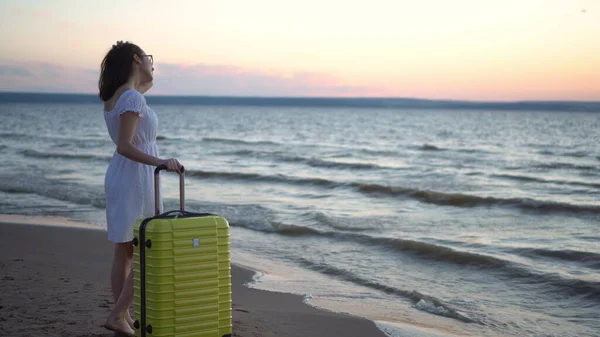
<point>126,73</point>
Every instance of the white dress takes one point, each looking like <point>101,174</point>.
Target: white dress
<point>129,185</point>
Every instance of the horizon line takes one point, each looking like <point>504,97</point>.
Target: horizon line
<point>311,97</point>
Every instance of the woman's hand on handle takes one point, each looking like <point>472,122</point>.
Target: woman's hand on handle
<point>172,165</point>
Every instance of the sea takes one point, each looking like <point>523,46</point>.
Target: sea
<point>428,218</point>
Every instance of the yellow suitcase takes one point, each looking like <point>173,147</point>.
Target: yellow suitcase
<point>182,273</point>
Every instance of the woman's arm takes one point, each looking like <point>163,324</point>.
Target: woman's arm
<point>125,145</point>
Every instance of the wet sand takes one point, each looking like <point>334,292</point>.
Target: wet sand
<point>54,281</point>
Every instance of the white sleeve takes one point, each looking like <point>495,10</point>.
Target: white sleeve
<point>134,102</point>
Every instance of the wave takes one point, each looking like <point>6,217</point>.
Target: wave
<point>588,259</point>
<point>260,177</point>
<point>94,196</point>
<point>347,225</point>
<point>180,138</point>
<point>312,162</point>
<point>588,238</point>
<point>439,253</point>
<point>13,135</point>
<point>236,141</point>
<point>334,164</point>
<point>39,154</point>
<point>545,181</point>
<point>58,190</point>
<point>576,154</point>
<point>292,230</point>
<point>572,154</point>
<point>425,196</point>
<point>62,140</point>
<point>430,251</point>
<point>510,269</point>
<point>465,200</point>
<point>426,250</point>
<point>281,156</point>
<point>421,301</point>
<point>434,148</point>
<point>375,152</point>
<point>558,166</point>
<point>429,147</point>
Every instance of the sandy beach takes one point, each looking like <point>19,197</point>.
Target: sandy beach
<point>55,282</point>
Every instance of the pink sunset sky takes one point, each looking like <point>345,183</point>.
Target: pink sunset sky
<point>459,49</point>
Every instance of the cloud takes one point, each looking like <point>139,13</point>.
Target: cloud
<point>35,13</point>
<point>14,71</point>
<point>180,79</point>
<point>46,77</point>
<point>224,80</point>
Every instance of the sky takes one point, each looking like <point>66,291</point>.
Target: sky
<point>444,49</point>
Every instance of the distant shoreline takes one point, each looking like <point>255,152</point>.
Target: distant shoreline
<point>323,102</point>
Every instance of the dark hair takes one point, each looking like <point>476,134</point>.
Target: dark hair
<point>116,68</point>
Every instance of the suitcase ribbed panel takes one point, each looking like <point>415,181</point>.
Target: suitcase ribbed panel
<point>187,277</point>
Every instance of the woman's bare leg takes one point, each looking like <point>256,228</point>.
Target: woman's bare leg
<point>122,263</point>
<point>122,288</point>
<point>116,321</point>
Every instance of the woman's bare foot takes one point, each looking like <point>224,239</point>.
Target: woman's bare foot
<point>119,324</point>
<point>129,319</point>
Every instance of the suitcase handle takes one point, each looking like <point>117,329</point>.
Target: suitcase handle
<point>156,189</point>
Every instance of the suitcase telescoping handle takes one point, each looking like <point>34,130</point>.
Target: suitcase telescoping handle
<point>156,189</point>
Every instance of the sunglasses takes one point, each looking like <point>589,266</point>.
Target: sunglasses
<point>150,58</point>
